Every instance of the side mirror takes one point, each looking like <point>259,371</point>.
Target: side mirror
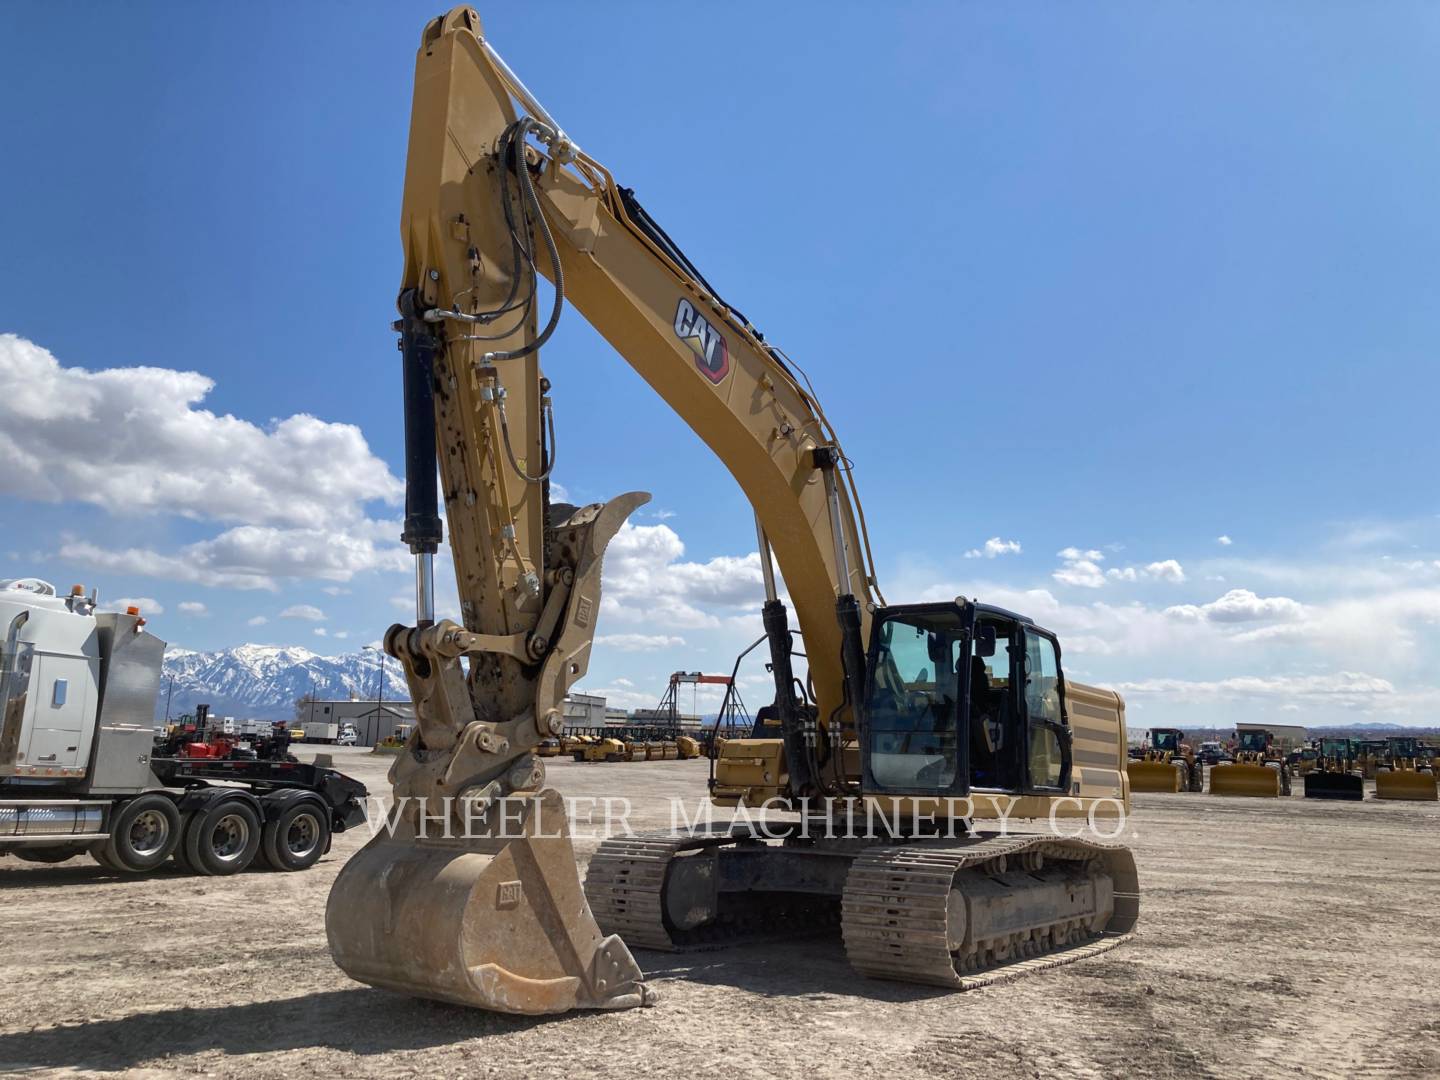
<point>985,640</point>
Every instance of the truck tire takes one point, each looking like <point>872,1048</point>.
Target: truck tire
<point>222,838</point>
<point>143,833</point>
<point>297,837</point>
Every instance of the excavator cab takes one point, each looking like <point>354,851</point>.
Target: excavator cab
<point>961,697</point>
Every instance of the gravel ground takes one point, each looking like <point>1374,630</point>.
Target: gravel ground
<point>1277,938</point>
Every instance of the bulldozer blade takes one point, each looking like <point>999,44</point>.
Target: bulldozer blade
<point>1406,784</point>
<point>1153,776</point>
<point>1328,785</point>
<point>1255,780</point>
<point>497,920</point>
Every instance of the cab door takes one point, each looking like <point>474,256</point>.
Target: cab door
<point>1047,733</point>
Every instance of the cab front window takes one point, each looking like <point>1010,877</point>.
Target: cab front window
<point>913,701</point>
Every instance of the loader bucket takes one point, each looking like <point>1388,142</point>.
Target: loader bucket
<point>1238,779</point>
<point>1405,784</point>
<point>1329,785</point>
<point>1154,776</point>
<point>497,921</point>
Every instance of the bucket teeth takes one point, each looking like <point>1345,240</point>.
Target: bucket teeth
<point>496,920</point>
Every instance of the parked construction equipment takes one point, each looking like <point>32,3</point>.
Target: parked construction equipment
<point>1405,772</point>
<point>907,710</point>
<point>1168,765</point>
<point>1335,774</point>
<point>78,771</point>
<point>1257,770</point>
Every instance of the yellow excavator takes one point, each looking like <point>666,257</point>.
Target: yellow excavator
<point>1168,765</point>
<point>913,724</point>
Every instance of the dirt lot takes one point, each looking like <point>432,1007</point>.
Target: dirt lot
<point>1277,937</point>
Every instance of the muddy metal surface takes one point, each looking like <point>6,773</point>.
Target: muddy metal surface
<point>1277,938</point>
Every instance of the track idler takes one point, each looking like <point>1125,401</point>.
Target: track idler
<point>496,920</point>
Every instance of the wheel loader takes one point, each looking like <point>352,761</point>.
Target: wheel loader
<point>1404,772</point>
<point>1257,769</point>
<point>1335,774</point>
<point>1168,765</point>
<point>910,729</point>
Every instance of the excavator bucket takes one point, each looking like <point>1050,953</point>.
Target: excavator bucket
<point>1406,784</point>
<point>1154,776</point>
<point>497,921</point>
<point>1245,779</point>
<point>1333,785</point>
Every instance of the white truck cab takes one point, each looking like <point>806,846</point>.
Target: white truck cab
<point>51,673</point>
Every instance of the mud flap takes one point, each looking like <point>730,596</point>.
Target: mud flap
<point>1241,779</point>
<point>497,921</point>
<point>1154,775</point>
<point>1406,784</point>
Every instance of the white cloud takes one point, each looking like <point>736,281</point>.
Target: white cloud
<point>638,642</point>
<point>1080,568</point>
<point>1169,570</point>
<point>192,607</point>
<point>255,556</point>
<point>1224,541</point>
<point>1166,570</point>
<point>335,590</point>
<point>647,580</point>
<point>303,611</point>
<point>148,605</point>
<point>134,440</point>
<point>257,620</point>
<point>319,631</point>
<point>1344,686</point>
<point>994,548</point>
<point>1238,606</point>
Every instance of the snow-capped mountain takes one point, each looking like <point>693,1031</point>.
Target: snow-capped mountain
<point>264,681</point>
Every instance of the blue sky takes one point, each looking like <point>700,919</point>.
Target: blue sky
<point>1106,282</point>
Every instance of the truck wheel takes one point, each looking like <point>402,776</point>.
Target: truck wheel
<point>297,838</point>
<point>143,833</point>
<point>222,838</point>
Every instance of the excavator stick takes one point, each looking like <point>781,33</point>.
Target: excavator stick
<point>1156,775</point>
<point>1407,785</point>
<point>498,921</point>
<point>1320,784</point>
<point>1241,778</point>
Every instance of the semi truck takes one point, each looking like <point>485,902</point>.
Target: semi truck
<point>78,772</point>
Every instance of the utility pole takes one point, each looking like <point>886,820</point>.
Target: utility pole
<point>379,689</point>
<point>168,693</point>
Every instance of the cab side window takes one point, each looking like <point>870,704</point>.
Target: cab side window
<point>1043,711</point>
